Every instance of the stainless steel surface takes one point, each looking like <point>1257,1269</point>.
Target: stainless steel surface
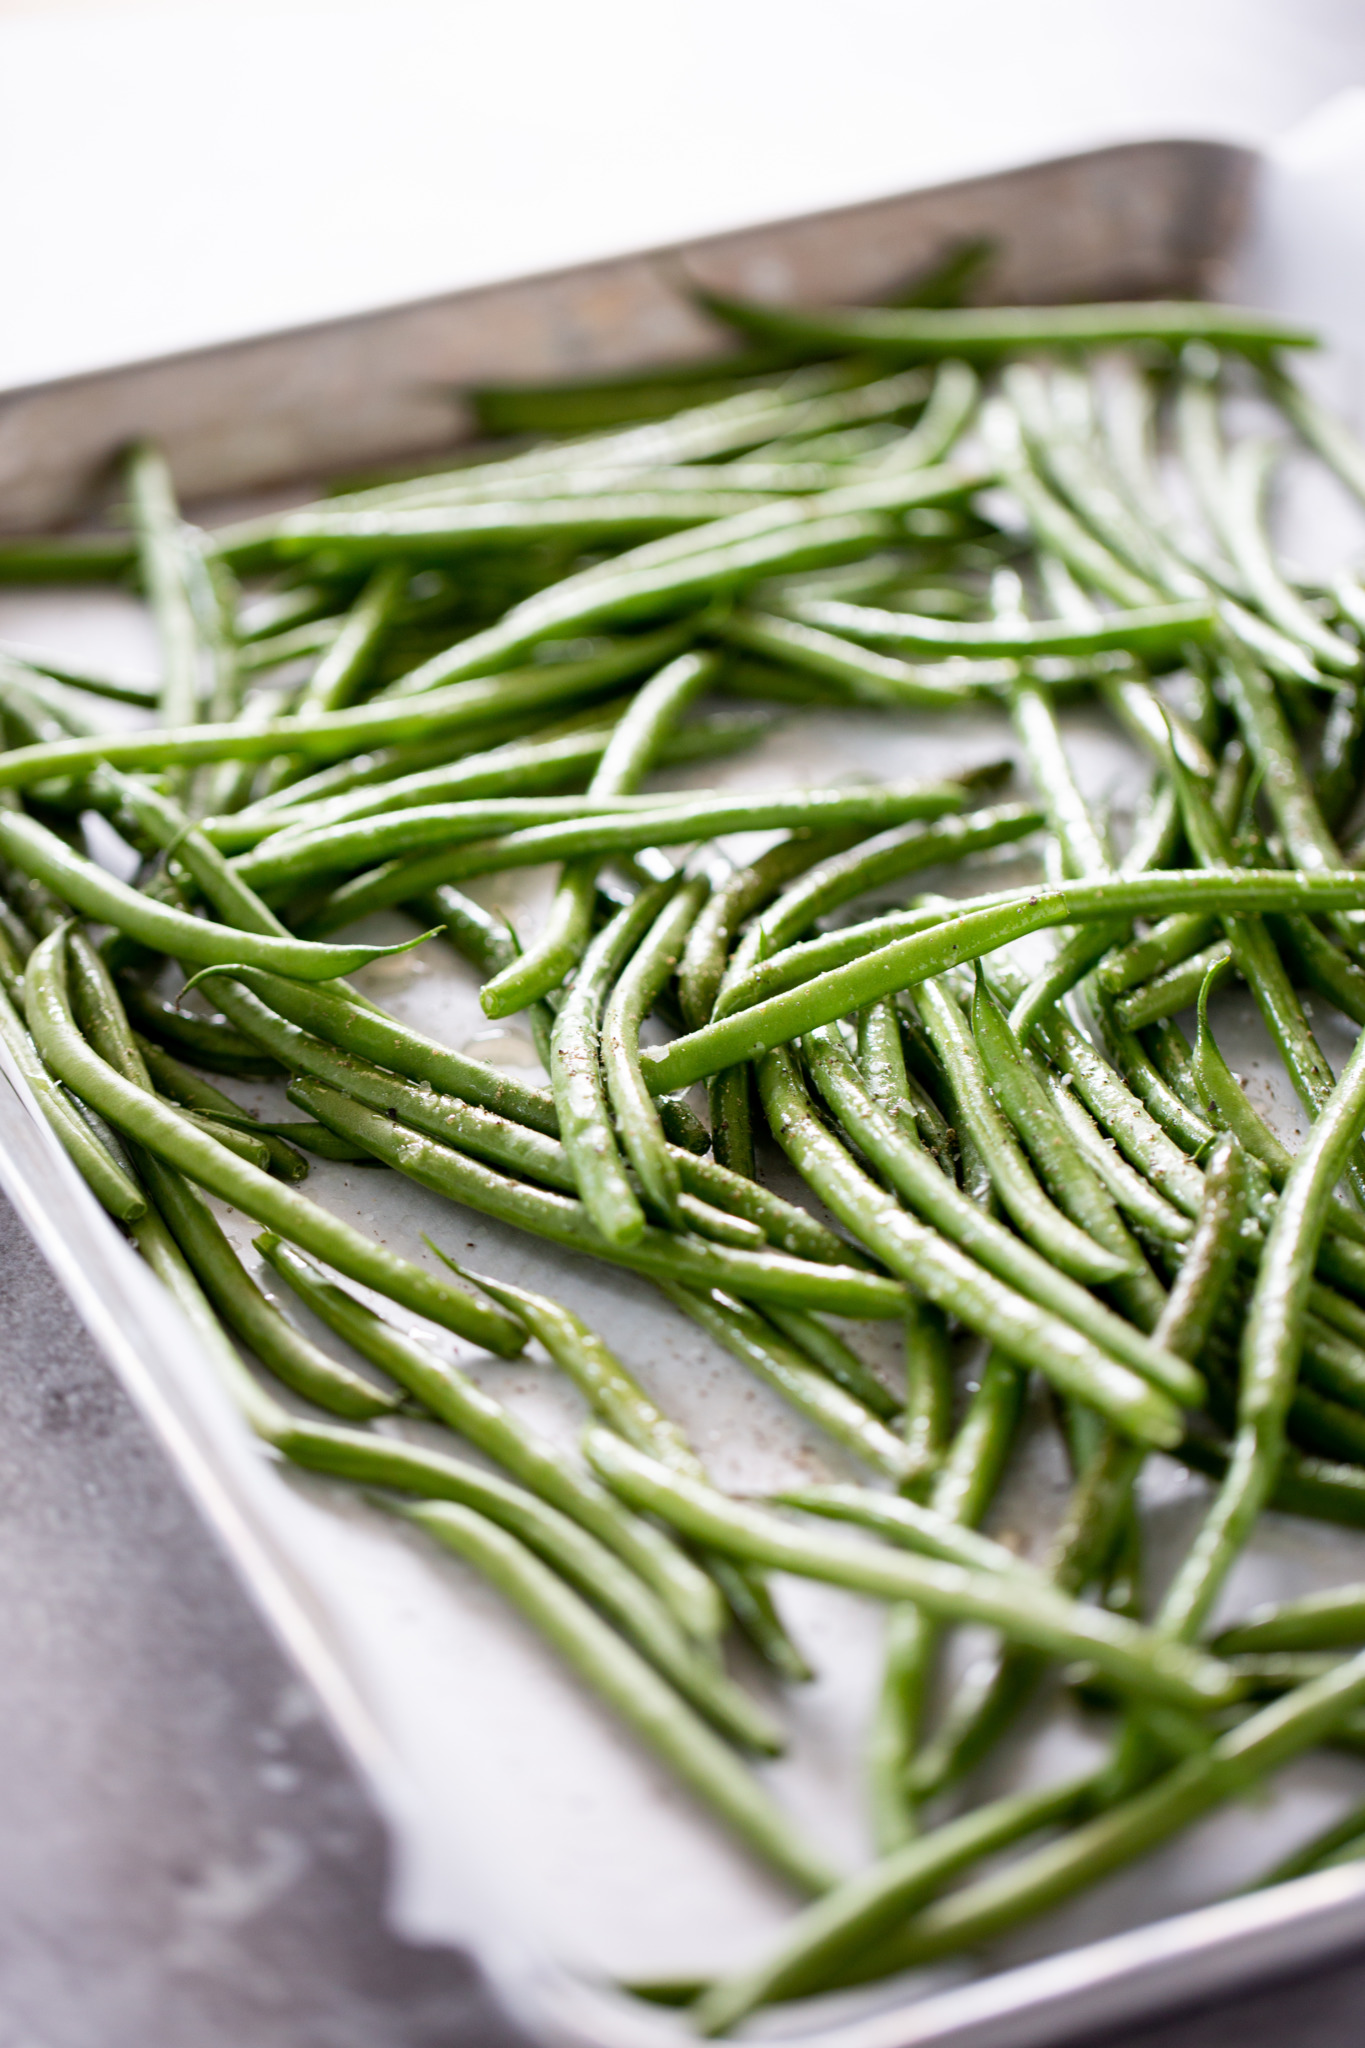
<point>1141,218</point>
<point>559,1842</point>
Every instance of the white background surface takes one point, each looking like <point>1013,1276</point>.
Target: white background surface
<point>178,173</point>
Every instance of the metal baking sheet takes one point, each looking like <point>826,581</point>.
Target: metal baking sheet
<point>527,1826</point>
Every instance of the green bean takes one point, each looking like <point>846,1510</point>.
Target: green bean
<point>577,1079</point>
<point>843,1290</point>
<point>1228,1102</point>
<point>914,1176</point>
<point>112,1187</point>
<point>744,891</point>
<point>1167,946</point>
<point>911,1525</point>
<point>1325,968</point>
<point>989,1698</point>
<point>814,400</point>
<point>290,858</point>
<point>1249,470</point>
<point>1143,631</point>
<point>630,1002</point>
<point>1271,746</point>
<point>749,1337</point>
<point>383,1040</point>
<point>163,550</point>
<point>1236,1761</point>
<point>285,1351</point>
<point>887,857</point>
<point>1343,1842</point>
<point>622,1403</point>
<point>1210,1259</point>
<point>665,822</point>
<point>67,558</point>
<point>724,555</point>
<point>463,1406</point>
<point>1168,1100</point>
<point>990,331</point>
<point>1132,1656</point>
<point>631,1687</point>
<point>516,767</point>
<point>1067,1174</point>
<point>885,1075</point>
<point>954,941</point>
<point>1320,1423</point>
<point>1330,1620</point>
<point>1054,526</point>
<point>1166,994</point>
<point>866,677</point>
<point>938,1269</point>
<point>145,695</point>
<point>451,530</point>
<point>207,1042</point>
<point>962,1490</point>
<point>164,1131</point>
<point>830,1936</point>
<point>611,1391</point>
<point>345,665</point>
<point>192,1092</point>
<point>1270,1349</point>
<point>836,1359</point>
<point>95,894</point>
<point>482,700</point>
<point>1037,1218</point>
<point>578,1556</point>
<point>631,750</point>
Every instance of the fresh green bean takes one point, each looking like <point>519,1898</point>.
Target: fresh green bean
<point>579,1086</point>
<point>843,1290</point>
<point>1065,1171</point>
<point>637,989</point>
<point>748,1336</point>
<point>285,1351</point>
<point>106,1179</point>
<point>1270,1349</point>
<point>936,1268</point>
<point>990,331</point>
<point>463,1406</point>
<point>865,676</point>
<point>1143,631</point>
<point>1236,1761</point>
<point>887,857</point>
<point>578,1556</point>
<point>1330,1620</point>
<point>746,890</point>
<point>838,1360</point>
<point>911,1525</point>
<point>665,822</point>
<point>913,1174</point>
<point>1037,1218</point>
<point>344,669</point>
<point>724,555</point>
<point>163,550</point>
<point>631,751</point>
<point>828,1937</point>
<point>95,894</point>
<point>164,1131</point>
<point>1135,1658</point>
<point>191,1091</point>
<point>484,699</point>
<point>954,941</point>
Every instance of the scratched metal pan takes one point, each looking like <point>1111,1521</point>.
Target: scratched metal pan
<point>526,1827</point>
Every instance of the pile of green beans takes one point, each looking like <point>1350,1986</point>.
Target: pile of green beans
<point>365,703</point>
